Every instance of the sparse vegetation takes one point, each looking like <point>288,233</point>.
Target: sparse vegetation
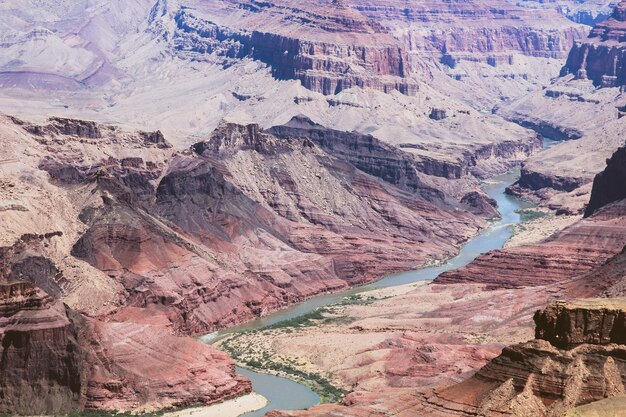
<point>262,361</point>
<point>530,214</point>
<point>250,355</point>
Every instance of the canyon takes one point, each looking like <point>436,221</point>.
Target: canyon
<point>440,348</point>
<point>174,168</point>
<point>156,243</point>
<point>580,108</point>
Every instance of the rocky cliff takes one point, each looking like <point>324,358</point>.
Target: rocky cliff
<point>571,252</point>
<point>344,51</point>
<point>609,185</point>
<point>479,31</point>
<point>56,360</point>
<point>601,56</point>
<point>241,223</point>
<point>580,362</point>
<point>592,321</point>
<point>42,365</point>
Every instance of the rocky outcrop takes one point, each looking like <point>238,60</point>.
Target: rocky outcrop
<point>593,321</point>
<point>582,361</point>
<point>458,30</point>
<point>54,360</point>
<point>248,220</point>
<point>479,203</point>
<point>533,180</point>
<point>610,185</point>
<point>572,252</point>
<point>399,165</point>
<point>352,59</point>
<point>367,153</point>
<point>601,57</point>
<point>42,366</point>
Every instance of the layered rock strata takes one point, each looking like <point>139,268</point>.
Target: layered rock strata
<point>42,363</point>
<point>242,223</point>
<point>345,51</point>
<point>484,31</point>
<point>601,56</point>
<point>55,360</point>
<point>571,252</point>
<point>575,360</point>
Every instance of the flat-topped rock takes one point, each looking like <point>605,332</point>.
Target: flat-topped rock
<point>592,321</point>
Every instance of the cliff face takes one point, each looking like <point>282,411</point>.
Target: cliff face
<point>572,252</point>
<point>478,31</point>
<point>597,322</point>
<point>601,57</point>
<point>54,360</point>
<point>42,367</point>
<point>545,377</point>
<point>401,168</point>
<point>246,221</point>
<point>610,185</point>
<point>344,55</point>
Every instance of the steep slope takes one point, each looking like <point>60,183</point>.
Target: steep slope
<point>600,57</point>
<point>55,360</point>
<point>248,222</point>
<point>571,252</point>
<point>585,104</point>
<point>608,186</point>
<point>544,377</point>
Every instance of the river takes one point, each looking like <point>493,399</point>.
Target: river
<point>285,394</point>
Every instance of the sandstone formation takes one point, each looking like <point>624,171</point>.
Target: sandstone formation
<point>41,360</point>
<point>157,242</point>
<point>600,57</point>
<point>569,253</point>
<point>572,107</point>
<point>55,360</point>
<point>475,30</point>
<point>578,363</point>
<point>577,358</point>
<point>592,321</point>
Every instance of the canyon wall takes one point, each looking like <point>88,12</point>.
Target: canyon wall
<point>608,186</point>
<point>543,377</point>
<point>601,56</point>
<point>479,31</point>
<point>345,55</point>
<point>56,360</point>
<point>571,252</point>
<point>158,242</point>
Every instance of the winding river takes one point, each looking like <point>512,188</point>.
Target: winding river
<point>285,394</point>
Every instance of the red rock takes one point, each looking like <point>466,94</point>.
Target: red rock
<point>341,50</point>
<point>55,360</point>
<point>574,251</point>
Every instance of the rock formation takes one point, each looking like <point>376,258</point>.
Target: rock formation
<point>577,358</point>
<point>608,186</point>
<point>586,321</point>
<point>157,242</point>
<point>55,360</point>
<point>569,253</point>
<point>344,51</point>
<point>481,31</point>
<point>601,56</point>
<point>42,364</point>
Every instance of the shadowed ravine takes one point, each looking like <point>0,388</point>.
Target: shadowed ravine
<point>493,237</point>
